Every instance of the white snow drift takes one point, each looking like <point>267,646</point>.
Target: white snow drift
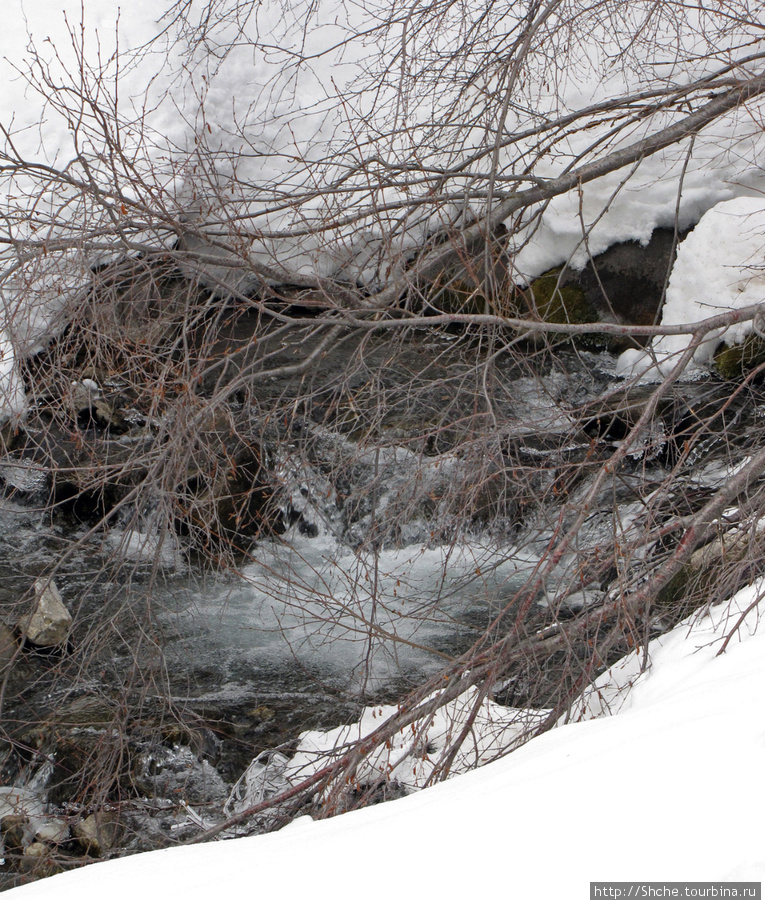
<point>720,267</point>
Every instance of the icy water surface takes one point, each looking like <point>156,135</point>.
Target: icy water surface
<point>358,622</point>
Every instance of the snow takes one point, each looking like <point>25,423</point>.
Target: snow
<point>412,754</point>
<point>659,783</point>
<point>720,267</point>
<point>322,121</point>
<point>240,134</point>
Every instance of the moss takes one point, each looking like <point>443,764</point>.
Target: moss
<point>737,361</point>
<point>559,304</point>
<point>562,304</point>
<point>545,298</point>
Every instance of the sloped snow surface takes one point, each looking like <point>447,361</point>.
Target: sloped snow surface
<point>659,783</point>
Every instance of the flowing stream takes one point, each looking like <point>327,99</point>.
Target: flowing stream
<point>376,582</point>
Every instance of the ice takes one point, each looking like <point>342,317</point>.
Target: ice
<point>261,780</point>
<point>362,620</point>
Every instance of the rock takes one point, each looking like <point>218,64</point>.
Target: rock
<point>36,851</point>
<point>83,395</point>
<point>84,757</point>
<point>50,622</point>
<point>626,283</point>
<point>98,833</point>
<point>554,298</point>
<point>13,832</point>
<point>109,416</point>
<point>38,862</point>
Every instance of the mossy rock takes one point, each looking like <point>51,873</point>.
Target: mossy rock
<point>737,361</point>
<point>549,298</point>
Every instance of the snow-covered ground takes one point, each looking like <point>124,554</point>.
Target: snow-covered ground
<point>238,127</point>
<point>668,787</point>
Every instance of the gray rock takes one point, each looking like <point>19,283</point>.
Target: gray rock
<point>50,622</point>
<point>626,283</point>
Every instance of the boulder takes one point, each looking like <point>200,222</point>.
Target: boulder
<point>98,833</point>
<point>49,623</point>
<point>555,297</point>
<point>626,283</point>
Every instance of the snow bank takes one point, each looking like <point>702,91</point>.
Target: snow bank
<point>720,266</point>
<point>343,107</point>
<point>285,151</point>
<point>413,753</point>
<point>665,790</point>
